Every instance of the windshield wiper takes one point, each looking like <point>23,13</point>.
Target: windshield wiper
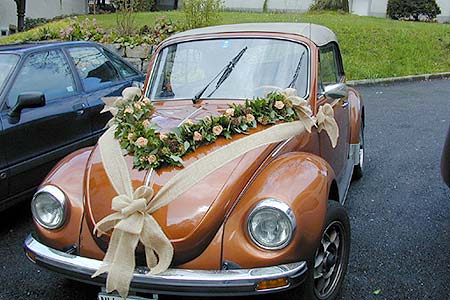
<point>226,71</point>
<point>297,72</point>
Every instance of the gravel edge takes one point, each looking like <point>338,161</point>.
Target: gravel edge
<point>365,82</point>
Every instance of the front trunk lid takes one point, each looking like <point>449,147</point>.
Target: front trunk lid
<point>192,220</point>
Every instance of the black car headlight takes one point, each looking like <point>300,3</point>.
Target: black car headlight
<point>49,206</point>
<point>271,224</point>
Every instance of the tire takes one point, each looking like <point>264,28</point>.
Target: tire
<point>358,169</point>
<point>336,221</point>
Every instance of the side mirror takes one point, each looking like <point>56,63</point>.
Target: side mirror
<point>27,100</point>
<point>336,91</point>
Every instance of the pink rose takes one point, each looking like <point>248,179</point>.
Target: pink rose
<point>146,101</point>
<point>128,110</point>
<point>137,106</point>
<point>249,118</point>
<point>141,142</point>
<point>146,123</point>
<point>279,104</point>
<point>197,136</point>
<point>229,112</point>
<point>217,130</point>
<point>163,136</point>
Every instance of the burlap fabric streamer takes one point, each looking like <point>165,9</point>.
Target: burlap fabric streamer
<point>133,222</point>
<point>326,121</point>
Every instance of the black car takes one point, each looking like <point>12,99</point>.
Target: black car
<point>50,99</point>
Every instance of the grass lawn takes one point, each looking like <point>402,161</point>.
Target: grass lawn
<point>371,47</point>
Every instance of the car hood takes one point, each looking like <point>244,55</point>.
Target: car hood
<point>193,219</point>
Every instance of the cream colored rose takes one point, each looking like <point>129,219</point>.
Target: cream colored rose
<point>249,118</point>
<point>128,110</point>
<point>163,136</point>
<point>230,112</point>
<point>279,104</point>
<point>207,120</point>
<point>189,122</point>
<point>197,136</point>
<point>137,105</point>
<point>141,142</point>
<point>146,123</point>
<point>130,136</point>
<point>217,130</point>
<point>151,158</point>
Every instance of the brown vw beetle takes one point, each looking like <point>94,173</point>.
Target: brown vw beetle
<point>270,221</point>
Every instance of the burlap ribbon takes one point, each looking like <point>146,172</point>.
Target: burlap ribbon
<point>133,221</point>
<point>326,121</point>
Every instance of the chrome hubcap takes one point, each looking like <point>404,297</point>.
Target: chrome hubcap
<point>328,260</point>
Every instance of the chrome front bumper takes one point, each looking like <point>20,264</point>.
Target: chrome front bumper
<point>174,281</point>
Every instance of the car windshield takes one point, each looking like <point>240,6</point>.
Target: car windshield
<point>184,70</point>
<point>7,63</point>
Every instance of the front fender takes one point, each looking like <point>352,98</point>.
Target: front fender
<point>68,175</point>
<point>301,180</point>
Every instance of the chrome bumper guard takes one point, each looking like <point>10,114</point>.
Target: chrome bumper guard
<point>173,281</point>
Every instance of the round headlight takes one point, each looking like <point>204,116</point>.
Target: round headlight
<point>49,207</point>
<point>271,224</point>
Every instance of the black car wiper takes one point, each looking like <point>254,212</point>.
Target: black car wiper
<point>226,71</point>
<point>297,72</point>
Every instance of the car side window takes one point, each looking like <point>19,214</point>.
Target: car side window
<point>328,73</point>
<point>124,70</point>
<point>94,68</point>
<point>47,72</point>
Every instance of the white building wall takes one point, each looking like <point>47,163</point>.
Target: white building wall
<point>40,9</point>
<point>378,8</point>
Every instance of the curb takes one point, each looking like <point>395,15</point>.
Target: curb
<point>421,77</point>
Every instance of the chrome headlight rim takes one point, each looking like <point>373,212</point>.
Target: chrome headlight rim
<point>277,205</point>
<point>58,195</point>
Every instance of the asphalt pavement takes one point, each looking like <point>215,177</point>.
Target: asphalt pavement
<point>399,210</point>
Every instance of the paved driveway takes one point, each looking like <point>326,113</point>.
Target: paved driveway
<point>400,210</point>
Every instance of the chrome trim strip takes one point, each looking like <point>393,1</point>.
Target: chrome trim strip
<point>354,153</point>
<point>172,281</point>
<point>280,147</point>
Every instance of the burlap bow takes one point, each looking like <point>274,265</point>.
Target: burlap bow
<point>301,107</point>
<point>132,222</point>
<point>326,121</point>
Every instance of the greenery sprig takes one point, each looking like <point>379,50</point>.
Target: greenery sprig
<point>153,149</point>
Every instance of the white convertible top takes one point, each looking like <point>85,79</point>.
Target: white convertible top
<point>320,35</point>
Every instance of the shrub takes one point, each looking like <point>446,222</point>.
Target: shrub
<point>85,30</point>
<point>330,5</point>
<point>135,5</point>
<point>31,23</point>
<point>200,13</point>
<point>415,10</point>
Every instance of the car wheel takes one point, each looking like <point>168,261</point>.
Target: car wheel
<point>358,169</point>
<point>327,269</point>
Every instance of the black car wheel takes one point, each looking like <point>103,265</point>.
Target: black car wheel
<point>327,269</point>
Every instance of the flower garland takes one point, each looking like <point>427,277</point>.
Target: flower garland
<point>152,149</point>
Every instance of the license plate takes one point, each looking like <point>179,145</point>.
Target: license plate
<point>106,296</point>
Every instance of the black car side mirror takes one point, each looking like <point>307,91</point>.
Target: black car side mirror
<point>26,100</point>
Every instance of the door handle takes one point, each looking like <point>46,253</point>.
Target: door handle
<point>344,104</point>
<point>79,108</point>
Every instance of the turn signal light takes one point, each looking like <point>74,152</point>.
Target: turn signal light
<point>272,284</point>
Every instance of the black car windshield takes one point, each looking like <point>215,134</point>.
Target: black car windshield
<point>183,70</point>
<point>7,63</point>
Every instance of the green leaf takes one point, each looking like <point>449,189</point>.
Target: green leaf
<point>186,145</point>
<point>377,292</point>
<point>176,159</point>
